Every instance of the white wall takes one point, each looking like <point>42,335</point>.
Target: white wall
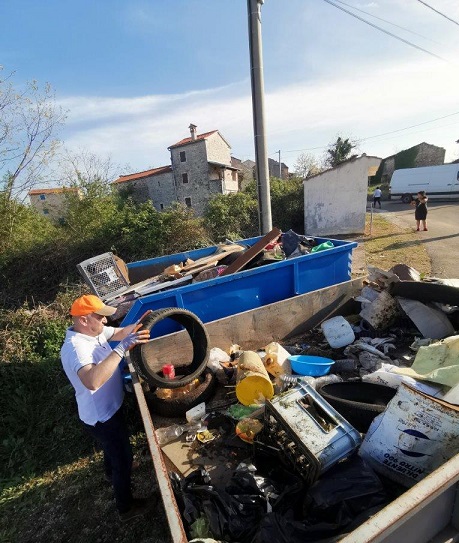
<point>335,201</point>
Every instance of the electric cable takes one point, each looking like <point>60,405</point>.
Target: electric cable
<point>439,12</point>
<point>386,31</point>
<point>386,21</point>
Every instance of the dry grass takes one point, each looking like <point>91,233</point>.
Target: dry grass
<point>389,244</point>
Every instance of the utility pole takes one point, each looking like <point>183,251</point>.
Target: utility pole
<point>280,167</point>
<point>258,91</point>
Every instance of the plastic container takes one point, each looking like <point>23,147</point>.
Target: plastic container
<point>313,366</point>
<point>242,291</point>
<point>338,332</point>
<point>253,384</point>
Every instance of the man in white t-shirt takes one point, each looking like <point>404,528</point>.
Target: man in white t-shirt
<point>377,197</point>
<point>93,369</point>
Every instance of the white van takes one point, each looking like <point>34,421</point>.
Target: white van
<point>438,181</point>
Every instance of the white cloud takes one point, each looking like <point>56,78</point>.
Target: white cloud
<point>369,101</point>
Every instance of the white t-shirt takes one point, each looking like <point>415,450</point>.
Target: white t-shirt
<point>377,193</point>
<point>80,350</point>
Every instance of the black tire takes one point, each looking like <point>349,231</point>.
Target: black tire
<point>407,198</point>
<point>179,406</point>
<point>358,402</point>
<point>185,373</point>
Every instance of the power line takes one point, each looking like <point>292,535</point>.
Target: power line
<point>385,21</point>
<point>439,12</point>
<point>385,31</point>
<point>378,135</point>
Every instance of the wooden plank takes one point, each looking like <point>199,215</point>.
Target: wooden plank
<point>256,249</point>
<point>227,250</point>
<point>256,328</point>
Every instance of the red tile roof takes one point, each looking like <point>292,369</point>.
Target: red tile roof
<point>189,140</point>
<point>141,175</point>
<point>53,191</point>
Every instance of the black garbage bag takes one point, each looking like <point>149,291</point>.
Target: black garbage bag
<point>291,241</point>
<point>343,498</point>
<point>231,518</point>
<point>234,513</point>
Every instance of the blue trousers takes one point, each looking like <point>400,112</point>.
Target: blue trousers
<point>113,437</point>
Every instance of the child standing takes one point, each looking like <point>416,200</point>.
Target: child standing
<point>420,213</point>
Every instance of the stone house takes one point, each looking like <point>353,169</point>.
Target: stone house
<point>200,169</point>
<point>423,154</point>
<point>335,200</point>
<point>52,202</point>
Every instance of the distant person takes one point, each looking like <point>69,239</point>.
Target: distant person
<point>420,213</point>
<point>93,368</point>
<point>377,197</point>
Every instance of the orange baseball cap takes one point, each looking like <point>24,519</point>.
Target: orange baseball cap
<point>87,304</point>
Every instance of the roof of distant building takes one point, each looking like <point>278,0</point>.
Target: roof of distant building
<point>414,147</point>
<point>350,159</point>
<point>199,137</point>
<point>56,190</point>
<point>141,175</point>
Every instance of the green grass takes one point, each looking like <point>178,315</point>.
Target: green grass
<point>389,245</point>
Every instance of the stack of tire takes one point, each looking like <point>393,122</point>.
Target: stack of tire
<point>185,374</point>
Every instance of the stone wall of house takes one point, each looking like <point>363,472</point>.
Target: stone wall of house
<point>335,200</point>
<point>430,155</point>
<point>423,154</point>
<point>51,204</point>
<point>199,187</point>
<point>217,149</point>
<point>158,188</point>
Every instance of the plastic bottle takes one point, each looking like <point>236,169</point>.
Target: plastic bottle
<point>169,433</point>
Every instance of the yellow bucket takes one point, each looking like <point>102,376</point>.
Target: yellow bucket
<point>252,380</point>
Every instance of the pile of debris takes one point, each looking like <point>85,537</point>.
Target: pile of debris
<point>328,429</point>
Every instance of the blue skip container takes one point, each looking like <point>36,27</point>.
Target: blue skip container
<point>242,291</point>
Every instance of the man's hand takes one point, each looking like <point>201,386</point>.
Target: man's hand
<point>134,338</point>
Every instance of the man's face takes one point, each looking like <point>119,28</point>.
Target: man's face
<point>94,324</point>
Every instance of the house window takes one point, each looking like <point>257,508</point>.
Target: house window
<point>184,177</point>
<point>188,202</point>
<point>46,212</point>
<point>42,197</point>
<point>161,206</point>
<point>182,156</point>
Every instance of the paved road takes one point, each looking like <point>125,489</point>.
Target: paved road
<point>442,238</point>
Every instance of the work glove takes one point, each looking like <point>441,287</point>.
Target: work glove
<point>134,338</point>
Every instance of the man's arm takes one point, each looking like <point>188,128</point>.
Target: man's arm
<point>93,376</point>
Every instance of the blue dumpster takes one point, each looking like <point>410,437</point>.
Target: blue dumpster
<point>224,296</point>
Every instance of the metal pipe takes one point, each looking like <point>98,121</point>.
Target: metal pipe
<point>256,77</point>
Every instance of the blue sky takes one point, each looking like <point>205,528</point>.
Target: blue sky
<point>133,74</point>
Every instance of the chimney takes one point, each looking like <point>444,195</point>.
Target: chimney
<point>192,128</point>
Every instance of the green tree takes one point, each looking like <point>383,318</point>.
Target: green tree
<point>233,215</point>
<point>339,151</point>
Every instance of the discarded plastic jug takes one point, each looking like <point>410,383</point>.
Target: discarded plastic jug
<point>169,433</point>
<point>338,332</point>
<point>322,247</point>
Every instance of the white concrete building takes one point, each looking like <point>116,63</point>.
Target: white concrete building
<point>335,200</point>
<point>200,168</point>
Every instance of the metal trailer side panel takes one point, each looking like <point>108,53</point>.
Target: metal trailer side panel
<point>419,514</point>
<point>174,519</point>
